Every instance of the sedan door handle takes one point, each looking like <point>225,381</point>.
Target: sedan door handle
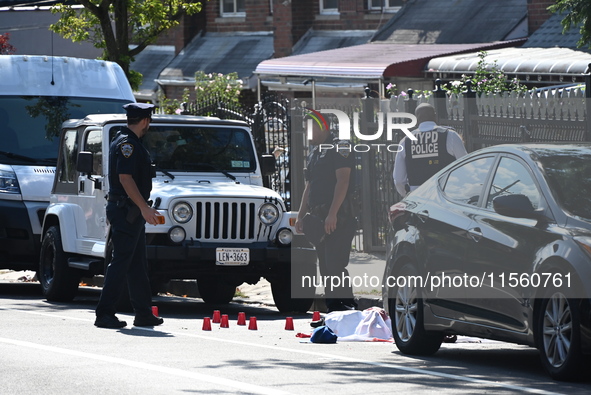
<point>423,215</point>
<point>475,234</point>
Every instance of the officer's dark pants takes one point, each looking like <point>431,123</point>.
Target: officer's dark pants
<point>129,264</point>
<point>333,258</point>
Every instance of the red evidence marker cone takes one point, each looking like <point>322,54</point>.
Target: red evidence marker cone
<point>316,316</point>
<point>155,311</point>
<point>216,317</point>
<point>241,319</point>
<point>252,325</point>
<point>289,323</point>
<point>224,323</point>
<point>206,324</point>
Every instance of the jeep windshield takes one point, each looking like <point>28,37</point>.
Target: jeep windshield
<point>30,125</point>
<point>204,148</point>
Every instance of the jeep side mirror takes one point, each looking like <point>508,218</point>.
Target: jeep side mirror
<point>84,163</point>
<point>268,166</point>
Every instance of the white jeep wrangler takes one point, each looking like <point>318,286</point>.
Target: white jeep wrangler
<point>222,227</point>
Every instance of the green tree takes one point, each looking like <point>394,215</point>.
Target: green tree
<point>112,25</point>
<point>578,12</point>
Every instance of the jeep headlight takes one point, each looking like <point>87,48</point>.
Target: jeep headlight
<point>284,236</point>
<point>8,182</point>
<point>268,214</point>
<point>182,212</point>
<point>176,234</point>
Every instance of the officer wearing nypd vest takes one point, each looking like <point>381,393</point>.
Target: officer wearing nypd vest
<point>327,196</point>
<point>435,147</point>
<point>130,183</point>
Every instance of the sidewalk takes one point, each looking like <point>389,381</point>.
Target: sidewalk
<point>362,266</point>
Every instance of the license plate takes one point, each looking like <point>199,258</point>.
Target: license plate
<point>232,256</point>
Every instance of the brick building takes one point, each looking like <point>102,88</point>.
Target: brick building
<point>236,35</point>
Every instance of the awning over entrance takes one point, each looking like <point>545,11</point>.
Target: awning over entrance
<point>544,65</point>
<point>363,63</point>
<point>367,61</point>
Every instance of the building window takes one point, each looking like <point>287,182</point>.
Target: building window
<point>329,6</point>
<point>385,5</point>
<point>232,8</point>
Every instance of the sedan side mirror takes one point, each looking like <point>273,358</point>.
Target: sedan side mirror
<point>515,206</point>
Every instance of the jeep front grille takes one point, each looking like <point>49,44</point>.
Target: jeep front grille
<point>225,220</point>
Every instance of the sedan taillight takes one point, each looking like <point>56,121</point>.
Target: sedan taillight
<point>396,210</point>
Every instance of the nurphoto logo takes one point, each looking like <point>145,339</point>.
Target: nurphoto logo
<point>392,123</point>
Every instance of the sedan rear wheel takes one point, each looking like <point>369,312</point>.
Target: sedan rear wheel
<point>406,306</point>
<point>559,336</point>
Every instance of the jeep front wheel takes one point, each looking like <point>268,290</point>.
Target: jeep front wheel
<point>289,279</point>
<point>282,296</point>
<point>59,282</point>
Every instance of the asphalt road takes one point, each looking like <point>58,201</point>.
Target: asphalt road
<point>53,348</point>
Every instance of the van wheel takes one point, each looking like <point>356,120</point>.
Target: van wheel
<point>406,309</point>
<point>59,282</point>
<point>215,291</point>
<point>281,290</point>
<point>559,338</point>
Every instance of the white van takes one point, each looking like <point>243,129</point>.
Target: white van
<point>38,93</point>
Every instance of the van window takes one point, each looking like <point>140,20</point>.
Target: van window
<point>31,124</point>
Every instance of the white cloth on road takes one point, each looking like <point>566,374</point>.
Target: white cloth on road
<point>372,324</point>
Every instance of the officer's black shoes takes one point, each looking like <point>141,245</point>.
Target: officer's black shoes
<point>147,320</point>
<point>109,321</point>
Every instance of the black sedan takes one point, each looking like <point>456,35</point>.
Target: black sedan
<point>497,245</point>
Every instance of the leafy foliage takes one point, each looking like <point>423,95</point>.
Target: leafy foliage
<point>112,25</point>
<point>5,47</point>
<point>578,12</point>
<point>225,88</point>
<point>173,106</point>
<point>487,78</point>
<point>392,91</point>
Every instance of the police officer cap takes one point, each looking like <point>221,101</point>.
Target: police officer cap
<point>425,112</point>
<point>139,110</point>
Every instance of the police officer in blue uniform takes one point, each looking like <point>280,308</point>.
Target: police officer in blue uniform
<point>130,183</point>
<point>327,195</point>
<point>435,147</point>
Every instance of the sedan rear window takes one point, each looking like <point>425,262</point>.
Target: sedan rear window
<point>569,177</point>
<point>465,183</point>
